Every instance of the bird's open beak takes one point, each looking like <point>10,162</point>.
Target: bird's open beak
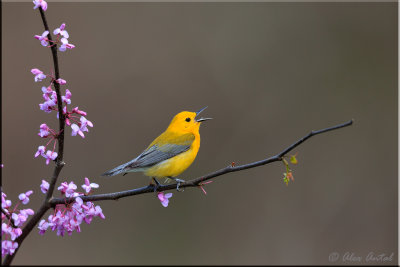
<point>202,119</point>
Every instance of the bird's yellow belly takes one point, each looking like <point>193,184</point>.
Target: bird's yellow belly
<point>174,166</point>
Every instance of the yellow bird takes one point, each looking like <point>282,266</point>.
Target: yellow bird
<point>171,153</point>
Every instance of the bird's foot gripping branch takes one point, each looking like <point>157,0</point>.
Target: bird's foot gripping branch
<point>74,207</point>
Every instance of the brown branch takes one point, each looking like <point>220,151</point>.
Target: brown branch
<point>60,153</point>
<point>196,182</point>
<point>60,137</point>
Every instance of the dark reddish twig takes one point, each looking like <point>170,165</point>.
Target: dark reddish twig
<point>8,217</point>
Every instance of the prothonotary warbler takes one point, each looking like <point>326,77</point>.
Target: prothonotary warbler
<point>171,153</point>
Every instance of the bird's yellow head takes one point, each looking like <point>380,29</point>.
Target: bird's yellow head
<point>186,122</point>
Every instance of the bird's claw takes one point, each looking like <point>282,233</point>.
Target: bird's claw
<point>177,187</point>
<point>178,183</point>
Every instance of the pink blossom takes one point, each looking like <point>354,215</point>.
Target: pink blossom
<point>88,186</point>
<point>19,219</point>
<point>5,228</point>
<point>50,98</point>
<point>67,189</point>
<point>80,112</point>
<point>5,203</point>
<point>82,128</point>
<point>44,130</point>
<point>9,230</point>
<point>48,105</point>
<point>43,38</point>
<point>39,76</point>
<point>63,187</point>
<point>65,45</point>
<point>40,3</point>
<point>67,98</point>
<point>47,90</point>
<point>8,247</point>
<point>44,186</point>
<point>15,232</point>
<point>164,198</point>
<point>50,155</point>
<point>85,123</point>
<point>61,31</point>
<point>99,212</point>
<point>92,211</point>
<point>43,225</point>
<point>36,71</point>
<point>40,151</point>
<point>61,81</point>
<point>75,129</point>
<point>27,212</point>
<point>25,197</point>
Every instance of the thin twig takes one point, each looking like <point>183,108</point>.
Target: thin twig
<point>196,182</point>
<point>8,217</point>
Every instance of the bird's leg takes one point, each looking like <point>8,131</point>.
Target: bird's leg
<point>158,184</point>
<point>178,181</point>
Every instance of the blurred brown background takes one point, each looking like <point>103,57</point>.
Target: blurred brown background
<point>269,73</point>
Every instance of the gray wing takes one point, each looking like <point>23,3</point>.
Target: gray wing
<point>155,154</point>
<point>148,158</point>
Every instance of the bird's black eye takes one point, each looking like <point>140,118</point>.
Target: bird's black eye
<point>187,119</point>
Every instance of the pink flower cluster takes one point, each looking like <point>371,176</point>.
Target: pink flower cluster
<point>63,34</point>
<point>74,118</point>
<point>69,216</point>
<point>19,217</point>
<point>61,38</point>
<point>45,132</point>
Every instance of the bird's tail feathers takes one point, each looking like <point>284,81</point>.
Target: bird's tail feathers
<point>118,170</point>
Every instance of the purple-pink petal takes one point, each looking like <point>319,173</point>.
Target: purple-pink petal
<point>36,71</point>
<point>44,5</point>
<point>75,129</point>
<point>44,186</point>
<point>61,81</point>
<point>40,151</point>
<point>164,198</point>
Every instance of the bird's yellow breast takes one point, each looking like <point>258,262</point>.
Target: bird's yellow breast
<point>174,166</point>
